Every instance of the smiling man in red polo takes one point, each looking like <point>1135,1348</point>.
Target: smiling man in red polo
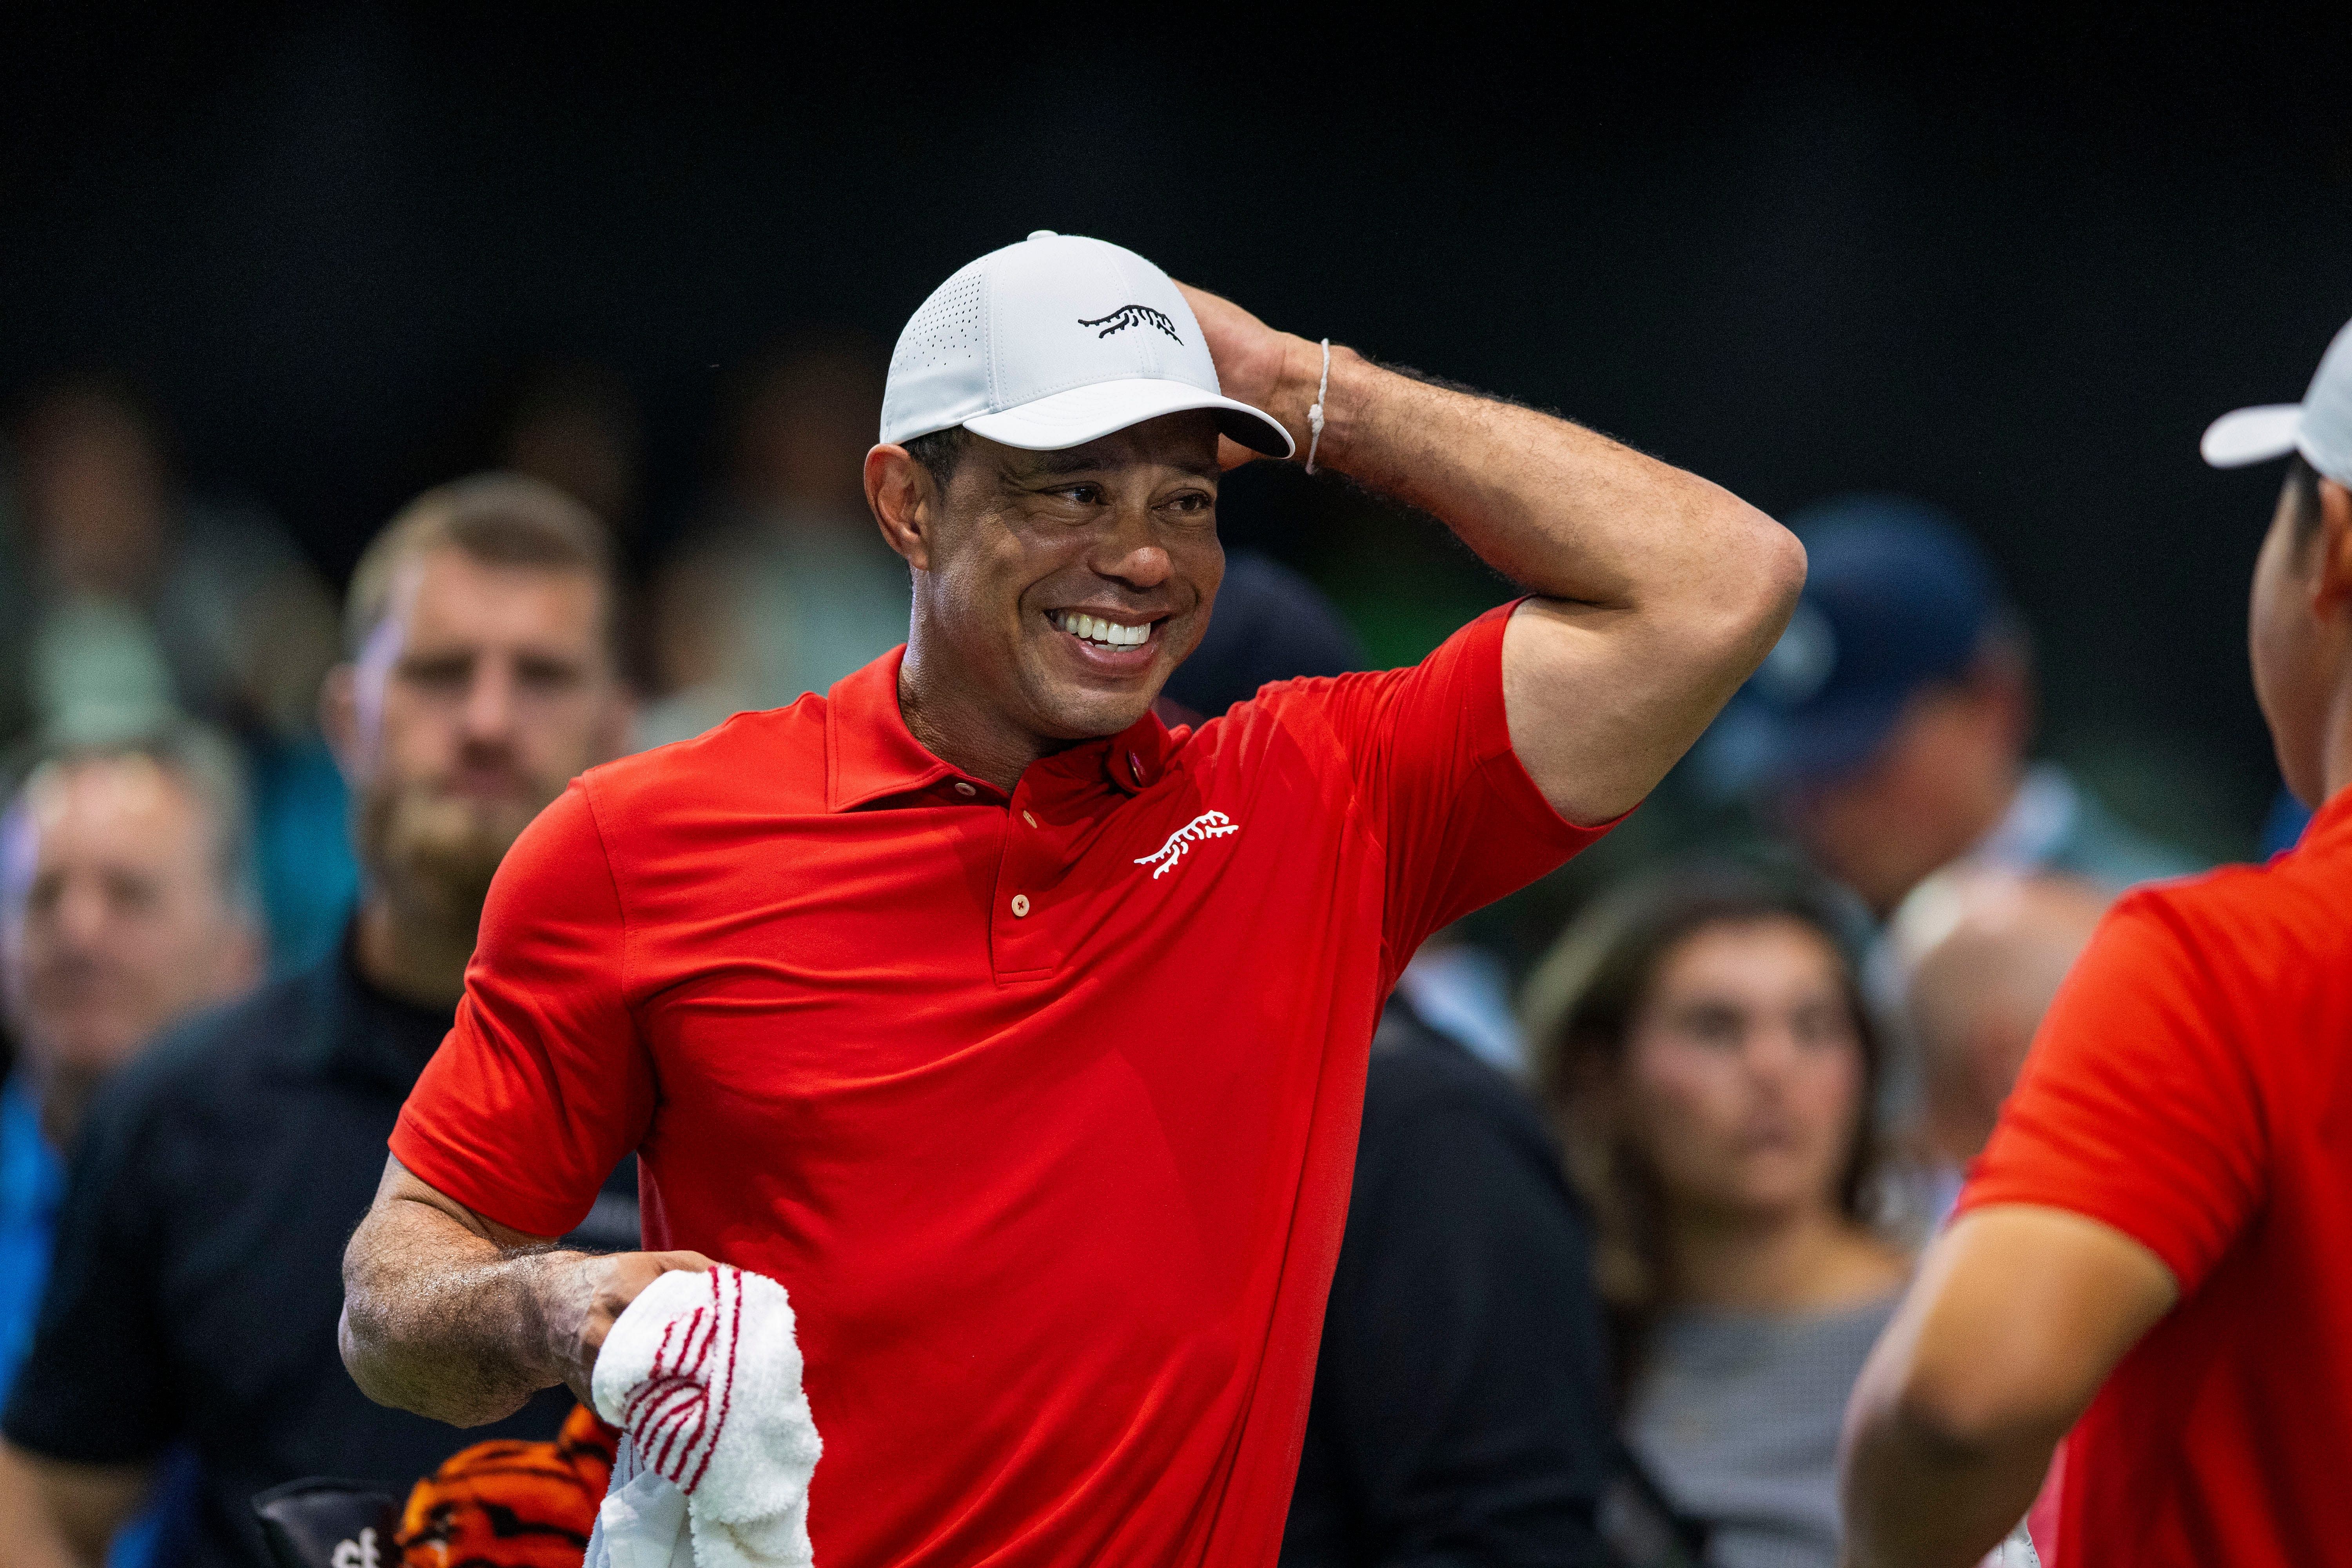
<point>1022,1038</point>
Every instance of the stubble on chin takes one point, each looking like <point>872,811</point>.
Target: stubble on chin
<point>434,854</point>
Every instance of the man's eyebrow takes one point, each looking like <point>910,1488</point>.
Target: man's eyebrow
<point>1072,461</point>
<point>1078,460</point>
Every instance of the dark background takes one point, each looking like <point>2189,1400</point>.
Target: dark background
<point>2011,260</point>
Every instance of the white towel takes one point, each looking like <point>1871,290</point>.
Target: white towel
<point>703,1377</point>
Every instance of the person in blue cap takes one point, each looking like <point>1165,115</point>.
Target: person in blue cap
<point>1887,733</point>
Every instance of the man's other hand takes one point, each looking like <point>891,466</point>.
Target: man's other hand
<point>450,1314</point>
<point>589,1295</point>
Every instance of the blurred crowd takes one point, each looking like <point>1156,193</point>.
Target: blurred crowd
<point>1629,1213</point>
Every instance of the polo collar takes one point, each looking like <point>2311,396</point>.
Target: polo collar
<point>870,754</point>
<point>2332,821</point>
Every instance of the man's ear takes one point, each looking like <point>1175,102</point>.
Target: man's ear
<point>339,718</point>
<point>2331,589</point>
<point>905,501</point>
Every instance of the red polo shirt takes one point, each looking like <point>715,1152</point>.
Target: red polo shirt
<point>1043,1109</point>
<point>2192,1089</point>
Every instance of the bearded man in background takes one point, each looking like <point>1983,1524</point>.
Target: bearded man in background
<point>197,1282</point>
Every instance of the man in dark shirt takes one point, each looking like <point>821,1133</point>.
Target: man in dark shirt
<point>1460,1406</point>
<point>198,1282</point>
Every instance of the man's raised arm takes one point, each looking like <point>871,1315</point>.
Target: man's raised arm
<point>1657,593</point>
<point>452,1315</point>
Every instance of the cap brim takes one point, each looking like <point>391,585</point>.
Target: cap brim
<point>1753,746</point>
<point>2252,434</point>
<point>1084,413</point>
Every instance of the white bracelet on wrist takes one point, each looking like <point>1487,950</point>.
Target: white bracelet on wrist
<point>1315,409</point>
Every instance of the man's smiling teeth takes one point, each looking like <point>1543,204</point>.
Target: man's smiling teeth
<point>1095,629</point>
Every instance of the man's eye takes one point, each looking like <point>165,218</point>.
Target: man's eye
<point>441,674</point>
<point>1085,495</point>
<point>1192,502</point>
<point>548,675</point>
<point>1713,1025</point>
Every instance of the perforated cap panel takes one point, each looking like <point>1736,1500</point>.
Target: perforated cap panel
<point>939,372</point>
<point>946,329</point>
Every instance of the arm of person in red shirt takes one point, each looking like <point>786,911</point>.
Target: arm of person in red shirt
<point>1656,592</point>
<point>452,1315</point>
<point>2018,1315</point>
<point>2130,1156</point>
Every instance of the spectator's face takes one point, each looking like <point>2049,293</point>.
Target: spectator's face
<point>1124,529</point>
<point>1937,783</point>
<point>484,689</point>
<point>1743,1073</point>
<point>116,921</point>
<point>94,496</point>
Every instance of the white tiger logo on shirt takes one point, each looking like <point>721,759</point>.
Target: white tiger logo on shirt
<point>1207,826</point>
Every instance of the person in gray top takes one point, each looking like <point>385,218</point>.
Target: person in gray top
<point>1700,1041</point>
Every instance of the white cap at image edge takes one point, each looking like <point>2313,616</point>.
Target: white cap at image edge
<point>2320,427</point>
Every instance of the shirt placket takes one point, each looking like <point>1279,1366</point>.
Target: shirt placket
<point>1023,924</point>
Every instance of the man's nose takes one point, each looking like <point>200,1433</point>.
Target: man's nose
<point>81,912</point>
<point>489,713</point>
<point>1130,550</point>
<point>1771,1048</point>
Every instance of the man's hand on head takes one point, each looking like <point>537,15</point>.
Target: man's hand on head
<point>1268,369</point>
<point>1655,593</point>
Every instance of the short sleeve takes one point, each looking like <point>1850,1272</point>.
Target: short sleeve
<point>1429,749</point>
<point>2136,1107</point>
<point>97,1388</point>
<point>543,1085</point>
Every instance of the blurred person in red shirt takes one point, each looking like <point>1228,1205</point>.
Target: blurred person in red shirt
<point>1021,1038</point>
<point>2156,1248</point>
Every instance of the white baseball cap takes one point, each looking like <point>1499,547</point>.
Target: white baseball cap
<point>1052,343</point>
<point>2320,427</point>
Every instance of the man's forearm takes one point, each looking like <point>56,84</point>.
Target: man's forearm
<point>447,1323</point>
<point>2015,1318</point>
<point>1562,510</point>
<point>1918,1498</point>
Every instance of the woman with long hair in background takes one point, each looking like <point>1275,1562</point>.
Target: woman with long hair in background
<point>1701,1042</point>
